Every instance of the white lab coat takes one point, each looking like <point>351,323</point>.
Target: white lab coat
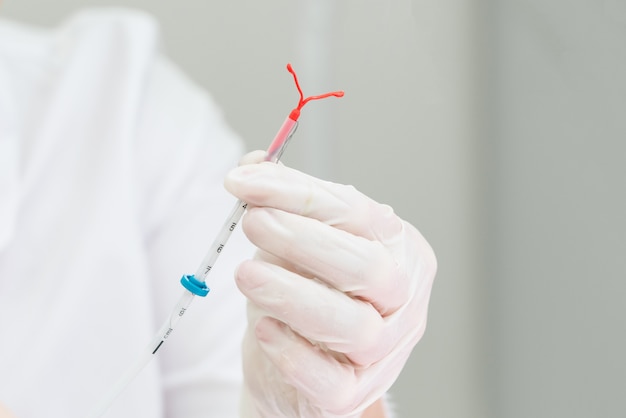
<point>111,167</point>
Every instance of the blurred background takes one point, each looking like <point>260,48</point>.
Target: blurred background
<point>498,128</point>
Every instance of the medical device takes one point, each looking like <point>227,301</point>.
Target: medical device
<point>195,285</point>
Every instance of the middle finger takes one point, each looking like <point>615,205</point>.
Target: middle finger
<point>316,311</point>
<point>357,266</point>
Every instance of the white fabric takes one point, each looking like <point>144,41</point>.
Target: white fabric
<point>110,189</point>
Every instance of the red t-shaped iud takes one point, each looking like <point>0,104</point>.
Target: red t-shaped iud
<point>289,126</point>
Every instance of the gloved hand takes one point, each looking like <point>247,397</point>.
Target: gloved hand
<point>337,294</point>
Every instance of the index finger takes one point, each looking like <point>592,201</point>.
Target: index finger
<point>341,206</point>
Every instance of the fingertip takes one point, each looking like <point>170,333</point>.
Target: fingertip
<point>253,157</point>
<point>269,330</point>
<point>236,178</point>
<point>385,224</point>
<point>253,183</point>
<point>256,280</point>
<point>242,272</point>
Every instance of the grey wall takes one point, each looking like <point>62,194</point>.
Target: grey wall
<point>496,127</point>
<point>557,201</point>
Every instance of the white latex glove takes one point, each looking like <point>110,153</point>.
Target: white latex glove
<point>338,293</point>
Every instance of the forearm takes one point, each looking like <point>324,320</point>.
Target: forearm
<point>376,410</point>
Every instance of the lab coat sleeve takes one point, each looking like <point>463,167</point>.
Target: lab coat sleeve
<point>183,150</point>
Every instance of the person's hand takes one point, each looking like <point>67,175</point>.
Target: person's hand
<point>5,413</point>
<point>338,293</point>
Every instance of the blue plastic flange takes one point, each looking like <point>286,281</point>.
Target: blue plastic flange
<point>194,285</point>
